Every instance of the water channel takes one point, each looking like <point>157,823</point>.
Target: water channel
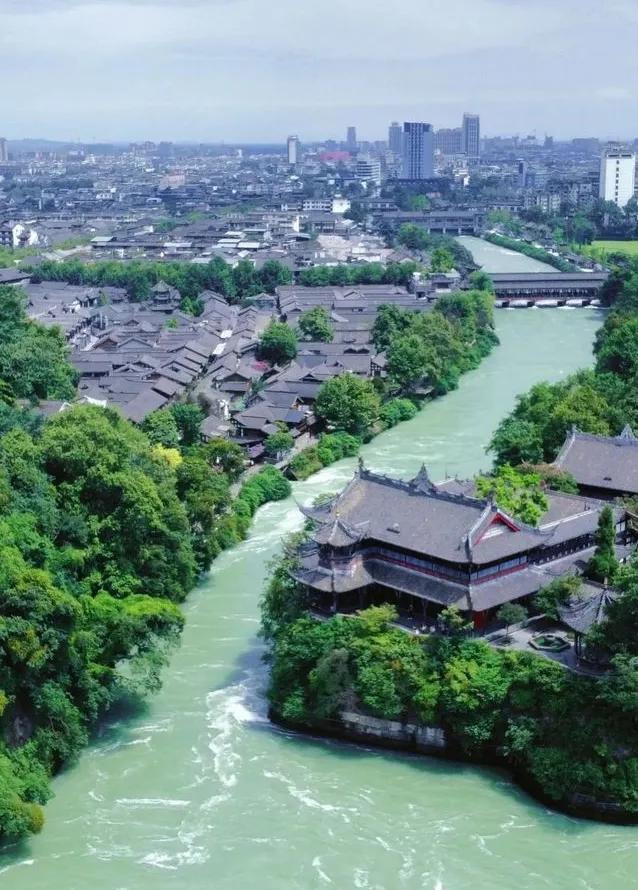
<point>202,792</point>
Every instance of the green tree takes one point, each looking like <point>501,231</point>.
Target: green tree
<point>511,613</point>
<point>441,260</point>
<point>453,622</point>
<point>408,360</point>
<point>557,593</point>
<point>480,280</point>
<point>413,237</point>
<point>348,403</point>
<point>279,443</point>
<point>161,428</point>
<point>517,442</point>
<point>188,418</point>
<point>33,359</point>
<point>315,325</point>
<point>205,494</point>
<point>228,457</point>
<point>517,492</point>
<point>283,600</point>
<point>390,321</point>
<point>617,349</point>
<point>397,410</point>
<point>278,343</point>
<point>273,274</point>
<point>603,565</point>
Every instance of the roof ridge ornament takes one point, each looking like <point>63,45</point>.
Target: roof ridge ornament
<point>422,481</point>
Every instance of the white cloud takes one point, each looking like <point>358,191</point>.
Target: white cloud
<point>332,30</point>
<point>248,69</point>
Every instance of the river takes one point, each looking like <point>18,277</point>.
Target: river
<point>203,792</point>
<point>498,259</point>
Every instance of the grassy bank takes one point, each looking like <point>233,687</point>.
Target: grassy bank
<point>601,250</point>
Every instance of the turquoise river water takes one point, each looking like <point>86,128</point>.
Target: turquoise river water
<point>203,792</point>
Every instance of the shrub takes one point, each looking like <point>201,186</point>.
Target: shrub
<point>397,410</point>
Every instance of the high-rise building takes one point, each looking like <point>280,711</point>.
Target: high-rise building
<point>292,146</point>
<point>448,142</point>
<point>617,175</point>
<point>471,135</point>
<point>4,151</point>
<point>417,151</point>
<point>395,138</point>
<point>368,170</point>
<point>351,139</point>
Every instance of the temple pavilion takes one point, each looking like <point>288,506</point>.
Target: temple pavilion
<point>426,546</point>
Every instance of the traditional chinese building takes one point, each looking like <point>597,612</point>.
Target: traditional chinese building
<point>585,609</point>
<point>425,547</point>
<point>603,466</point>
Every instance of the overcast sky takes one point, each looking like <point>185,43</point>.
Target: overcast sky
<point>256,70</point>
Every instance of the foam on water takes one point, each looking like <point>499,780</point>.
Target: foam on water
<point>162,802</point>
<point>228,710</point>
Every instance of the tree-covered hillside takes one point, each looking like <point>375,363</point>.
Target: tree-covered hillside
<point>103,531</point>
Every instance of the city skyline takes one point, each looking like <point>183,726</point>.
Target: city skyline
<point>129,71</point>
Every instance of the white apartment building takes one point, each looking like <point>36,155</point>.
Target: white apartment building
<point>617,175</point>
<point>368,170</point>
<point>292,145</point>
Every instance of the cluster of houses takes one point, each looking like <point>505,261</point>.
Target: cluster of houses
<point>262,398</point>
<point>140,357</point>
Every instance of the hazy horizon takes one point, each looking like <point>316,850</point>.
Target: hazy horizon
<point>236,71</point>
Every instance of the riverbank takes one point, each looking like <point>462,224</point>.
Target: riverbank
<point>361,678</point>
<point>529,250</point>
<point>433,741</point>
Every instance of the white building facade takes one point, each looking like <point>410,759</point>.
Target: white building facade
<point>292,145</point>
<point>418,151</point>
<point>618,175</point>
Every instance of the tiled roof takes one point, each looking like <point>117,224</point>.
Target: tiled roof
<point>601,461</point>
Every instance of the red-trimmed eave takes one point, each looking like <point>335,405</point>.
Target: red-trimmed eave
<point>503,520</point>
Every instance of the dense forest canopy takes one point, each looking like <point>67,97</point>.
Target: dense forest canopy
<point>104,528</point>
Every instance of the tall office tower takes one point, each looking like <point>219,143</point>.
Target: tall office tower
<point>395,138</point>
<point>368,170</point>
<point>448,142</point>
<point>292,145</point>
<point>522,173</point>
<point>4,151</point>
<point>617,175</point>
<point>417,151</point>
<point>471,135</point>
<point>351,139</point>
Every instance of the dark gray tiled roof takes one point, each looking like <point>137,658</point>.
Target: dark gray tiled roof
<point>419,518</point>
<point>600,461</point>
<point>587,608</point>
